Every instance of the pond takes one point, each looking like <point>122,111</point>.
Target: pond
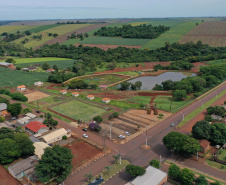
<point>148,82</point>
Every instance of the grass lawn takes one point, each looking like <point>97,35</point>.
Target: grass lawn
<point>78,110</point>
<point>14,78</point>
<point>13,28</point>
<point>102,80</point>
<point>36,60</point>
<point>163,103</point>
<point>216,165</point>
<point>200,109</point>
<point>140,99</point>
<point>130,73</point>
<point>222,154</point>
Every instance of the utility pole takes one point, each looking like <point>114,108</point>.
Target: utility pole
<point>183,116</point>
<point>120,159</point>
<point>110,130</point>
<point>202,103</point>
<point>197,155</point>
<point>173,152</point>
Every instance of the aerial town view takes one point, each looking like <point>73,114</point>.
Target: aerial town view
<point>116,93</point>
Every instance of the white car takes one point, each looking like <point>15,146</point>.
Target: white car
<point>85,135</point>
<point>217,146</point>
<point>121,136</point>
<point>127,133</point>
<point>14,118</point>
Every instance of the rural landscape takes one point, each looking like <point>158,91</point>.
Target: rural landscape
<point>114,101</point>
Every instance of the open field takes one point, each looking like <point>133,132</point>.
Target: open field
<point>212,33</point>
<point>37,95</point>
<point>78,110</point>
<point>139,23</point>
<point>177,30</point>
<point>14,78</point>
<point>139,99</point>
<point>43,27</point>
<point>14,29</point>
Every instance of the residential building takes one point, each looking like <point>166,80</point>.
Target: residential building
<point>30,115</point>
<point>103,86</point>
<point>153,176</point>
<point>24,120</point>
<point>21,88</point>
<point>56,135</point>
<point>216,117</point>
<point>6,64</point>
<point>24,167</point>
<point>75,94</point>
<point>39,148</point>
<point>63,91</point>
<point>36,127</point>
<point>106,100</point>
<point>3,109</point>
<point>37,84</point>
<point>30,68</point>
<point>50,70</point>
<point>205,145</point>
<point>90,97</point>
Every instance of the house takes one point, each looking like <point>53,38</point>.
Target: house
<point>216,117</point>
<point>24,120</point>
<point>152,176</point>
<point>224,106</point>
<point>50,70</point>
<point>39,148</point>
<point>30,115</point>
<point>36,127</point>
<point>37,84</point>
<point>63,92</point>
<point>21,88</point>
<point>224,146</point>
<point>106,100</point>
<point>24,167</point>
<point>90,97</point>
<point>103,86</point>
<point>3,109</point>
<point>6,64</point>
<point>56,135</point>
<point>75,94</point>
<point>30,68</point>
<point>205,145</point>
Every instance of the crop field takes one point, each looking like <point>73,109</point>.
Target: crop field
<point>10,29</point>
<point>35,60</point>
<point>43,27</point>
<point>178,29</point>
<point>60,30</point>
<point>139,23</point>
<point>78,110</point>
<point>212,33</point>
<point>37,95</point>
<point>139,99</point>
<point>14,78</point>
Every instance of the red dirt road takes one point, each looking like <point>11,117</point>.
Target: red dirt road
<point>107,46</point>
<point>6,178</point>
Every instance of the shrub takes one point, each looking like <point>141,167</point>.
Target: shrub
<point>115,114</point>
<point>135,170</point>
<point>110,117</point>
<point>137,65</point>
<point>196,95</point>
<point>94,126</point>
<point>64,137</point>
<point>155,163</point>
<point>208,118</point>
<point>161,115</point>
<point>41,116</point>
<point>19,96</point>
<point>18,67</point>
<point>27,110</point>
<point>98,119</point>
<point>2,119</point>
<point>5,91</point>
<point>174,171</point>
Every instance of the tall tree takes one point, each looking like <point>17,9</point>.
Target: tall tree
<point>14,109</point>
<point>187,177</point>
<point>6,133</point>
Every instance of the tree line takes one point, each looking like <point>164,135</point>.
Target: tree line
<point>142,31</point>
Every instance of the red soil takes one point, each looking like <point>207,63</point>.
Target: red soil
<point>6,178</point>
<point>107,46</point>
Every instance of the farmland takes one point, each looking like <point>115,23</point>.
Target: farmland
<point>14,78</point>
<point>212,33</point>
<point>42,28</point>
<point>14,29</point>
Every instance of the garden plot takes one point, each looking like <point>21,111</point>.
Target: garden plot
<point>37,95</point>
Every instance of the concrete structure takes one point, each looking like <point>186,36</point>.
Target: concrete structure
<point>30,115</point>
<point>39,148</point>
<point>30,68</point>
<point>24,167</point>
<point>21,88</point>
<point>36,127</point>
<point>56,135</point>
<point>205,145</point>
<point>106,100</point>
<point>224,106</point>
<point>63,92</point>
<point>24,120</point>
<point>75,94</point>
<point>37,84</point>
<point>6,64</point>
<point>34,139</point>
<point>50,70</point>
<point>3,109</point>
<point>216,117</point>
<point>153,176</point>
<point>90,97</point>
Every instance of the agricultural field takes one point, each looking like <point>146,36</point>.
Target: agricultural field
<point>14,78</point>
<point>43,27</point>
<point>139,23</point>
<point>14,29</point>
<point>78,110</point>
<point>212,33</point>
<point>139,99</point>
<point>37,95</point>
<point>177,30</point>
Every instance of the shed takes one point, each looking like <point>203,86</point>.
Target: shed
<point>21,88</point>
<point>38,83</point>
<point>90,97</point>
<point>39,148</point>
<point>56,135</point>
<point>30,115</point>
<point>24,120</point>
<point>36,127</point>
<point>3,109</point>
<point>6,64</point>
<point>106,100</point>
<point>75,94</point>
<point>224,146</point>
<point>205,145</point>
<point>30,68</point>
<point>63,91</point>
<point>50,70</point>
<point>153,176</point>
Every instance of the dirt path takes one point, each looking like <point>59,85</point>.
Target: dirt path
<point>6,178</point>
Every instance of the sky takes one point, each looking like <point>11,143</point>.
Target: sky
<point>83,9</point>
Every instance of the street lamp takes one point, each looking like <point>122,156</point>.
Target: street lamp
<point>146,136</point>
<point>119,153</point>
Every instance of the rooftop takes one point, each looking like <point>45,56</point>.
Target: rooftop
<point>105,99</point>
<point>22,86</point>
<point>5,63</point>
<point>204,143</point>
<point>75,93</point>
<point>35,126</point>
<point>3,106</point>
<point>39,148</point>
<point>89,96</point>
<point>54,134</point>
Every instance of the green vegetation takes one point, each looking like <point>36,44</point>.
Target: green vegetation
<point>78,110</point>
<point>155,163</point>
<point>102,80</point>
<point>140,99</point>
<point>38,60</point>
<point>221,154</point>
<point>216,165</point>
<point>130,73</point>
<point>42,28</point>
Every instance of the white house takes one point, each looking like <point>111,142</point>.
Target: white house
<point>21,88</point>
<point>38,84</point>
<point>24,120</point>
<point>63,92</point>
<point>106,100</point>
<point>75,94</point>
<point>56,135</point>
<point>90,97</point>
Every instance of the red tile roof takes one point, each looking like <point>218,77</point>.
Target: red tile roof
<point>22,86</point>
<point>204,143</point>
<point>35,126</point>
<point>105,99</point>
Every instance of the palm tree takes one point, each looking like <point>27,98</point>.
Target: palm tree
<point>116,158</point>
<point>108,168</point>
<point>88,176</point>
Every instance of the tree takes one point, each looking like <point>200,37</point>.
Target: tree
<point>77,84</point>
<point>187,177</point>
<point>27,110</point>
<point>14,109</point>
<point>55,68</point>
<point>95,126</point>
<point>218,133</point>
<point>168,85</point>
<point>208,118</point>
<point>138,84</point>
<point>2,119</point>
<point>179,94</point>
<point>116,157</point>
<point>125,86</point>
<point>135,170</point>
<point>9,151</point>
<point>215,183</point>
<point>11,60</point>
<point>64,137</point>
<point>217,110</point>
<point>98,119</point>
<point>5,91</point>
<point>108,168</point>
<point>55,35</point>
<point>155,163</point>
<point>18,67</point>
<point>4,100</point>
<point>45,66</point>
<point>201,180</point>
<point>89,176</point>
<point>115,114</point>
<point>161,115</point>
<point>201,130</point>
<point>174,172</point>
<point>6,133</point>
<point>111,66</point>
<point>19,96</point>
<point>55,163</point>
<point>27,32</point>
<point>25,144</point>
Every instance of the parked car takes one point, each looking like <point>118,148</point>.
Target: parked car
<point>217,146</point>
<point>172,124</point>
<point>85,135</point>
<point>84,129</point>
<point>127,133</point>
<point>121,136</point>
<point>14,118</point>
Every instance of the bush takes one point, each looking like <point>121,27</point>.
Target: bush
<point>64,137</point>
<point>18,67</point>
<point>4,100</point>
<point>94,126</point>
<point>19,96</point>
<point>135,170</point>
<point>27,110</point>
<point>208,118</point>
<point>41,116</point>
<point>110,117</point>
<point>115,114</point>
<point>155,163</point>
<point>2,119</point>
<point>98,119</point>
<point>196,95</point>
<point>174,171</point>
<point>5,91</point>
<point>187,177</point>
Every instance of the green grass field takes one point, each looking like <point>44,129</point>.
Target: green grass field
<point>217,61</point>
<point>163,103</point>
<point>14,29</point>
<point>42,28</point>
<point>178,29</point>
<point>109,40</point>
<point>102,80</point>
<point>14,78</point>
<point>78,110</point>
<point>139,99</point>
<point>222,154</point>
